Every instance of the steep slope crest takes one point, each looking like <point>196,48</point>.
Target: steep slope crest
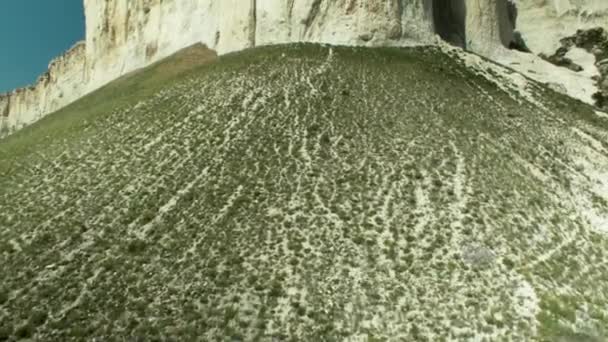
<point>309,193</point>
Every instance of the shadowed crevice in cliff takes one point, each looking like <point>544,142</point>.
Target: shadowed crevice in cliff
<point>510,37</point>
<point>449,20</point>
<point>253,23</point>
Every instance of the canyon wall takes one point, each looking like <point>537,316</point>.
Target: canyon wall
<point>124,35</point>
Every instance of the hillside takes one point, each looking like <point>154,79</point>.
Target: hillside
<point>302,192</point>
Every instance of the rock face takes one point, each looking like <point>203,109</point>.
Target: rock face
<point>123,35</point>
<point>544,22</point>
<point>595,42</point>
<point>489,23</point>
<point>60,85</point>
<point>570,34</point>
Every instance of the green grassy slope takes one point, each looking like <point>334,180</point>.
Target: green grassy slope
<point>300,193</point>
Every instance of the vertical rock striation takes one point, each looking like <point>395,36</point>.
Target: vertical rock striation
<point>132,34</point>
<point>344,22</point>
<point>489,24</point>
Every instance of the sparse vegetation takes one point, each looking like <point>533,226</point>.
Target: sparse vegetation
<point>305,193</point>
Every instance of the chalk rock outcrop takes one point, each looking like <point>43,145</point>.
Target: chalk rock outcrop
<point>594,42</point>
<point>544,22</point>
<point>124,35</point>
<point>60,85</point>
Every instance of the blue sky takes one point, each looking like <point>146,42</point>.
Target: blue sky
<point>32,32</point>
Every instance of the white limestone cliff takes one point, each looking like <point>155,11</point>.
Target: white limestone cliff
<point>544,22</point>
<point>490,25</point>
<point>60,85</point>
<point>124,35</point>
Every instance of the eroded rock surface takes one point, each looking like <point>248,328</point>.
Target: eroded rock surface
<point>595,42</point>
<point>544,22</point>
<point>60,85</point>
<point>434,196</point>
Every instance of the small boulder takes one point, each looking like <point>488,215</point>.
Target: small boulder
<point>478,256</point>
